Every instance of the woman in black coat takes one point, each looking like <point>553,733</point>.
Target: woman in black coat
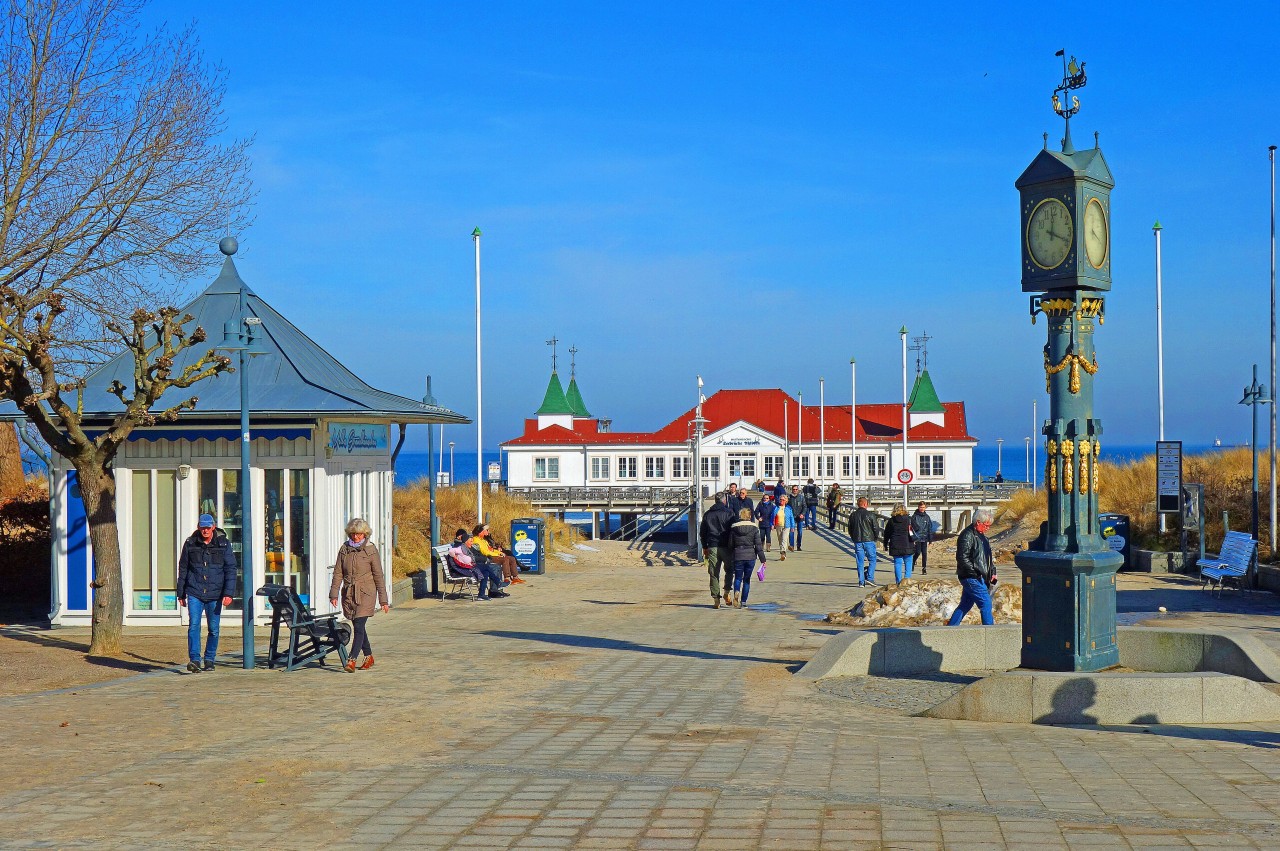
<point>744,537</point>
<point>899,540</point>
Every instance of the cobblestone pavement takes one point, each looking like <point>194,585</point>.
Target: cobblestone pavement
<point>608,707</point>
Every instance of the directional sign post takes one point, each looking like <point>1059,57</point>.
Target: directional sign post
<point>1169,476</point>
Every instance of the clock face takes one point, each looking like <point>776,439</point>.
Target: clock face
<point>1050,233</point>
<point>1096,233</point>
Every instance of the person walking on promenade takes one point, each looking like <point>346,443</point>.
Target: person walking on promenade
<point>799,506</point>
<point>922,532</point>
<point>764,516</point>
<point>811,495</point>
<point>731,499</point>
<point>862,530</point>
<point>898,542</point>
<point>358,573</point>
<point>834,496</point>
<point>784,523</point>
<point>975,569</point>
<point>745,539</point>
<point>780,489</point>
<point>713,534</point>
<point>206,582</point>
<point>744,501</point>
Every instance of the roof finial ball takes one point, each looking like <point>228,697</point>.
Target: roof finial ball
<point>228,245</point>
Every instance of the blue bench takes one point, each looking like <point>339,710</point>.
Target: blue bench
<point>1232,563</point>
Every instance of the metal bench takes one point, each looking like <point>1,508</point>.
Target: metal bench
<point>1232,563</point>
<point>449,573</point>
<point>310,639</point>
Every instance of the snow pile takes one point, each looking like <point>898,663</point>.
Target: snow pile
<point>926,602</point>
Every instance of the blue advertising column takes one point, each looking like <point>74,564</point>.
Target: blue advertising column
<point>528,542</point>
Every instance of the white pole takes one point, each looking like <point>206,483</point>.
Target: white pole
<point>822,431</point>
<point>1034,426</point>
<point>786,439</point>
<point>696,508</point>
<point>1028,440</point>
<point>1159,341</point>
<point>440,463</point>
<point>853,432</point>
<point>799,432</point>
<point>475,237</point>
<point>1271,155</point>
<point>1000,456</point>
<point>903,334</point>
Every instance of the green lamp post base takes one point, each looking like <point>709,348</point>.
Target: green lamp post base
<point>1069,610</point>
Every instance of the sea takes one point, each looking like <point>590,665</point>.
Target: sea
<point>987,460</point>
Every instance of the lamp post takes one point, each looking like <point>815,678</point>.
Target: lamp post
<point>902,332</point>
<point>1000,456</point>
<point>239,335</point>
<point>451,479</point>
<point>853,431</point>
<point>475,237</point>
<point>1254,395</point>
<point>1159,341</point>
<point>1271,155</point>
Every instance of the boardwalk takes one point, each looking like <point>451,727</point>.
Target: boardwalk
<point>604,707</point>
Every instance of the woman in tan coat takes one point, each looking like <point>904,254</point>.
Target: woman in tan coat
<point>358,572</point>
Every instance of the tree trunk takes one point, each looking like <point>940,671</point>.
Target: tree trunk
<point>98,489</point>
<point>11,476</point>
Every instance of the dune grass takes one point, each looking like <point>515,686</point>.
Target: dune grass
<point>1130,488</point>
<point>457,509</point>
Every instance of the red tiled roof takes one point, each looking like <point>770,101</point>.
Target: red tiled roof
<point>764,409</point>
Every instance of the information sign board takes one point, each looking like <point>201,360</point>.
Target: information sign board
<point>1169,476</point>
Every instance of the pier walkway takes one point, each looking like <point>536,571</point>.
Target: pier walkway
<point>606,705</point>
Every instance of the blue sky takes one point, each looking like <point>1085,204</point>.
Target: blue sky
<point>753,192</point>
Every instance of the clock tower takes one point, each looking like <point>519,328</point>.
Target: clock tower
<point>1068,573</point>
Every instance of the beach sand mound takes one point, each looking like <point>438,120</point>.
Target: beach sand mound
<point>925,602</point>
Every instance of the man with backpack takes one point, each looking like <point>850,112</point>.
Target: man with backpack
<point>812,493</point>
<point>713,535</point>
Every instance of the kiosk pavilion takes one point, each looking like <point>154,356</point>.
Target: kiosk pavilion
<point>321,453</point>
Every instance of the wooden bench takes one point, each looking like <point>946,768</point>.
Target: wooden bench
<point>311,638</point>
<point>449,574</point>
<point>1232,563</point>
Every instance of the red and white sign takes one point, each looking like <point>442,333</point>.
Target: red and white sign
<point>904,477</point>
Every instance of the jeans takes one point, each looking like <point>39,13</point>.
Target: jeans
<point>211,611</point>
<point>811,516</point>
<point>720,558</point>
<point>831,516</point>
<point>901,567</point>
<point>975,591</point>
<point>360,640</point>
<point>742,577</point>
<point>765,532</point>
<point>922,555</point>
<point>865,550</point>
<point>795,535</point>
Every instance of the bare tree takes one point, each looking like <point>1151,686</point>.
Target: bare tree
<point>114,179</point>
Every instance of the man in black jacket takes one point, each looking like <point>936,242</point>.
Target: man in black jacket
<point>862,529</point>
<point>713,535</point>
<point>922,534</point>
<point>975,569</point>
<point>799,510</point>
<point>206,581</point>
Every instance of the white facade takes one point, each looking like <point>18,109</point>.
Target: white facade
<point>739,453</point>
<point>303,494</point>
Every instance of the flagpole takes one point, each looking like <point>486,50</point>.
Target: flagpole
<point>853,430</point>
<point>822,431</point>
<point>475,237</point>
<point>1271,155</point>
<point>1159,341</point>
<point>903,334</point>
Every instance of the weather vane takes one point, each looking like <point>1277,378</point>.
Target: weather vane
<point>573,362</point>
<point>920,345</point>
<point>552,343</point>
<point>1072,78</point>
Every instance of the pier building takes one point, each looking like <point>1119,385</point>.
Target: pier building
<point>747,435</point>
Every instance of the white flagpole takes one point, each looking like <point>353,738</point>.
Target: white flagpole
<point>799,432</point>
<point>853,431</point>
<point>1159,340</point>
<point>822,431</point>
<point>903,334</point>
<point>475,237</point>
<point>1271,155</point>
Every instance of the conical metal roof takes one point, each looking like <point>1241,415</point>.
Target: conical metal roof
<point>924,399</point>
<point>554,401</point>
<point>294,378</point>
<point>574,397</point>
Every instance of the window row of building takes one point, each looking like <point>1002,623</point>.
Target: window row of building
<point>622,468</point>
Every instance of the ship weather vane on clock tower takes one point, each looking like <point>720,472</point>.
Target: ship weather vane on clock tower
<point>1073,77</point>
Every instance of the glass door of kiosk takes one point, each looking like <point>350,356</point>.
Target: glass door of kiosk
<point>219,495</point>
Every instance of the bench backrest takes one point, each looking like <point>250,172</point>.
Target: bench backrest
<point>285,599</point>
<point>441,553</point>
<point>1237,549</point>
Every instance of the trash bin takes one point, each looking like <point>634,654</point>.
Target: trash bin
<point>529,543</point>
<point>1115,533</point>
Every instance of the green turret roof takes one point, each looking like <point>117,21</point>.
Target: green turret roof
<point>574,397</point>
<point>924,399</point>
<point>554,402</point>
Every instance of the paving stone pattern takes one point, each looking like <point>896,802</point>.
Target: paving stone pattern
<point>611,707</point>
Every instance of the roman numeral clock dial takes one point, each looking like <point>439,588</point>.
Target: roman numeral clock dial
<point>1050,233</point>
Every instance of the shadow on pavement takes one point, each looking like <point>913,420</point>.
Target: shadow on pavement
<point>630,646</point>
<point>1252,738</point>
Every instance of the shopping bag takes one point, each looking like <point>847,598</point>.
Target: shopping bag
<point>760,572</point>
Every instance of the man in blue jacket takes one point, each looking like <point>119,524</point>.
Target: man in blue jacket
<point>206,581</point>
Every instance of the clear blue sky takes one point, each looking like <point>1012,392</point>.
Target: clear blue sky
<point>754,192</point>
